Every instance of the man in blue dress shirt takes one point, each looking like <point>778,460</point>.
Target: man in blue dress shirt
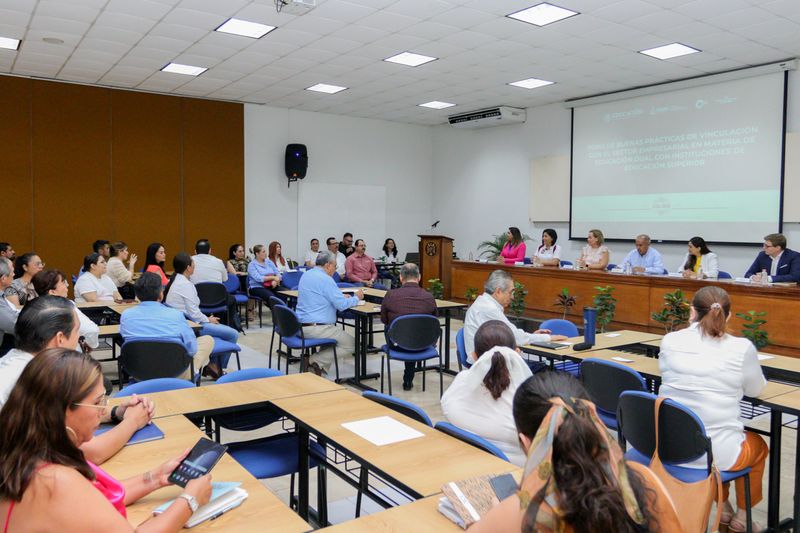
<point>152,320</point>
<point>644,259</point>
<point>318,299</point>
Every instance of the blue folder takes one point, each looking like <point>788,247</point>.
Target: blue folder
<point>148,433</point>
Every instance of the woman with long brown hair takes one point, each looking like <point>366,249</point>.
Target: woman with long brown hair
<point>709,371</point>
<point>276,256</point>
<point>575,477</point>
<point>46,484</point>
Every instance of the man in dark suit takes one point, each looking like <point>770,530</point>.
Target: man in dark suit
<point>781,264</point>
<point>408,299</point>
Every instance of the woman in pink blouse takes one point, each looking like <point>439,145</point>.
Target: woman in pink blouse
<point>514,250</point>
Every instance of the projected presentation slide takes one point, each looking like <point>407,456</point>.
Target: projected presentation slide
<point>700,161</point>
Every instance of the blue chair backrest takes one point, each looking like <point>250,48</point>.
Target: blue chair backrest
<point>151,358</point>
<point>345,285</point>
<point>605,381</point>
<point>527,260</point>
<point>154,385</point>
<point>401,406</point>
<point>413,333</point>
<point>559,326</point>
<point>232,284</point>
<point>336,277</point>
<point>212,294</point>
<point>566,263</point>
<point>470,438</point>
<point>291,280</point>
<point>285,321</point>
<point>611,266</point>
<point>724,275</point>
<point>249,373</point>
<point>682,435</point>
<point>461,349</point>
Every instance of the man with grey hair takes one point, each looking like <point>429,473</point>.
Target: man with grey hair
<point>408,299</point>
<point>318,299</point>
<point>497,292</point>
<point>8,311</point>
<point>644,259</point>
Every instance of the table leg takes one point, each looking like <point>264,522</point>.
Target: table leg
<point>362,342</point>
<point>302,485</point>
<point>774,492</point>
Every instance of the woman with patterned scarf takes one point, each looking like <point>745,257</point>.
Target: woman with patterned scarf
<point>576,478</point>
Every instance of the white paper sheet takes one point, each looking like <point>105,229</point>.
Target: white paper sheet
<point>622,359</point>
<point>613,334</point>
<point>382,430</point>
<point>764,357</point>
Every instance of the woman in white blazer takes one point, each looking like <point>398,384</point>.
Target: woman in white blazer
<point>699,262</point>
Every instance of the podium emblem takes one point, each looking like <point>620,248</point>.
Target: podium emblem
<point>430,249</point>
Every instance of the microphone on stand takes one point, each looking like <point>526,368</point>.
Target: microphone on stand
<point>435,224</point>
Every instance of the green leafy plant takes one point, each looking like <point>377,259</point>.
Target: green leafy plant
<point>518,299</point>
<point>436,287</point>
<point>753,321</point>
<point>565,301</point>
<point>606,306</point>
<point>492,248</point>
<point>471,294</point>
<point>675,312</point>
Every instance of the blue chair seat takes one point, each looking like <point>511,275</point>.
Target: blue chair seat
<point>273,456</point>
<point>216,309</point>
<point>427,353</point>
<point>240,298</point>
<point>689,475</point>
<point>221,346</point>
<point>296,343</point>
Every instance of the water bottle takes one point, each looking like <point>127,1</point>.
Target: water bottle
<point>626,268</point>
<point>764,277</point>
<point>589,324</point>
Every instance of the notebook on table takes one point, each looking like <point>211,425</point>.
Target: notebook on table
<point>225,496</point>
<point>466,502</point>
<point>551,345</point>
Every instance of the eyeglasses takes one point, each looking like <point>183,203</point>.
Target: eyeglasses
<point>102,403</point>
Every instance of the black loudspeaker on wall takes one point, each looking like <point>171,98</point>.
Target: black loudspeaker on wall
<point>296,162</point>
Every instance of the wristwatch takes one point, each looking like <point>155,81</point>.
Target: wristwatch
<point>113,416</point>
<point>190,500</point>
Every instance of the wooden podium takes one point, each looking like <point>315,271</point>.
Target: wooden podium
<point>435,256</point>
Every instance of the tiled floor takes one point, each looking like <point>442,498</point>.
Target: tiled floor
<point>341,497</point>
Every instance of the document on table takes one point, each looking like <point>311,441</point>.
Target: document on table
<point>382,430</point>
<point>622,359</point>
<point>613,334</point>
<point>764,357</point>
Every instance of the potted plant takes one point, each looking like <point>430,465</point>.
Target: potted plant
<point>471,294</point>
<point>753,321</point>
<point>492,248</point>
<point>518,299</point>
<point>565,301</point>
<point>436,288</point>
<point>675,312</point>
<point>606,306</point>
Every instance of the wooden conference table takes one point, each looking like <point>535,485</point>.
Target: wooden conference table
<point>638,296</point>
<point>363,317</point>
<point>261,511</point>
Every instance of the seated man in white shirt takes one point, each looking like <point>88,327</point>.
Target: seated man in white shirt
<point>310,258</point>
<point>497,294</point>
<point>8,311</point>
<point>206,266</point>
<point>333,246</point>
<point>51,322</point>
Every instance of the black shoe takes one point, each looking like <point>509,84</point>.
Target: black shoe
<point>408,385</point>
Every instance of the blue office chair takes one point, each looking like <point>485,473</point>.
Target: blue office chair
<point>213,297</point>
<point>412,338</point>
<point>144,359</point>
<point>273,301</point>
<point>527,260</point>
<point>611,266</point>
<point>401,406</point>
<point>223,347</point>
<point>470,438</point>
<point>682,439</point>
<point>605,381</point>
<point>724,275</point>
<point>566,263</point>
<point>461,350</point>
<point>291,280</point>
<point>336,277</point>
<point>154,385</point>
<point>273,456</point>
<point>290,332</point>
<point>559,326</point>
<point>233,286</point>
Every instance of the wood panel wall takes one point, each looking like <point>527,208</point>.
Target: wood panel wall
<point>81,163</point>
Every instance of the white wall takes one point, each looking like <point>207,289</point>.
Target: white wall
<point>482,184</point>
<point>342,150</point>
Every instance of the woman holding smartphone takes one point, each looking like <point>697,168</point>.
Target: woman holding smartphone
<point>46,478</point>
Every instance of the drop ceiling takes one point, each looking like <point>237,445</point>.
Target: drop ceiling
<point>125,43</point>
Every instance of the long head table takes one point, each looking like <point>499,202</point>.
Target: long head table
<point>638,297</point>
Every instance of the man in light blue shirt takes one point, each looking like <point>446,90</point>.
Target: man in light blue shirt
<point>644,259</point>
<point>318,299</point>
<point>152,320</point>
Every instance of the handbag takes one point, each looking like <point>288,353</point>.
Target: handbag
<point>692,500</point>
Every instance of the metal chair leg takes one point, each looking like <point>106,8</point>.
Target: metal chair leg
<point>748,507</point>
<point>389,372</point>
<point>336,363</point>
<point>441,376</point>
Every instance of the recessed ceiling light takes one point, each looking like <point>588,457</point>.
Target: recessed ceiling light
<point>542,14</point>
<point>437,105</point>
<point>409,59</point>
<point>531,83</point>
<point>9,44</point>
<point>245,28</point>
<point>669,51</point>
<point>189,70</point>
<point>325,88</point>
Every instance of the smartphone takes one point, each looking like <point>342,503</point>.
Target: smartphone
<point>205,454</point>
<point>503,486</point>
